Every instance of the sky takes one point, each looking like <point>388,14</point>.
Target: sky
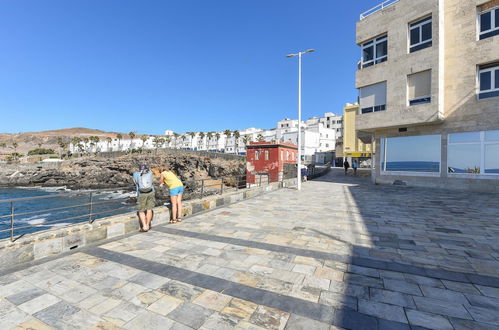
<point>184,65</point>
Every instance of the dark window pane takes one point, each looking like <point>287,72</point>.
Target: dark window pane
<point>381,49</point>
<point>497,78</point>
<point>485,21</point>
<point>485,81</point>
<point>368,53</point>
<point>414,36</point>
<point>497,17</point>
<point>426,31</point>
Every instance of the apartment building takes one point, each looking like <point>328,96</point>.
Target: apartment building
<point>428,85</point>
<point>353,146</point>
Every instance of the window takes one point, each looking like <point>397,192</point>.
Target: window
<point>375,51</point>
<point>266,155</point>
<point>419,87</point>
<point>282,155</point>
<point>473,153</point>
<point>489,23</point>
<point>488,80</point>
<point>420,35</point>
<point>411,154</point>
<point>257,155</point>
<point>287,155</point>
<point>373,98</point>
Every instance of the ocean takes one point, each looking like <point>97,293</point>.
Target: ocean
<point>58,208</point>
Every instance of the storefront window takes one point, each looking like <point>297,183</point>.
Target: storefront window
<point>411,154</point>
<point>474,153</point>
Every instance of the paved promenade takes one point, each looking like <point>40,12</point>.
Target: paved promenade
<point>341,253</point>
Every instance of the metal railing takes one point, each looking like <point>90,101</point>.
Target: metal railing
<point>89,206</point>
<point>377,8</point>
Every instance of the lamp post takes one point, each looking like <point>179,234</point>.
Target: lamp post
<point>298,159</point>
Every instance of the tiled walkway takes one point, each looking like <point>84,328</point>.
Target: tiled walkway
<point>342,253</point>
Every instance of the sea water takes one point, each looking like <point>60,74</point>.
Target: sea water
<point>57,208</point>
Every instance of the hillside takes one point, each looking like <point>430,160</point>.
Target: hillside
<point>46,139</point>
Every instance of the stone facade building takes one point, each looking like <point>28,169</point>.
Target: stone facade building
<point>429,92</point>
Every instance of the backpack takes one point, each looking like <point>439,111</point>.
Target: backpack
<point>145,182</point>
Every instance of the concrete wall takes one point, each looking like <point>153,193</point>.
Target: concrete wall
<point>460,56</point>
<point>55,241</point>
<point>394,21</point>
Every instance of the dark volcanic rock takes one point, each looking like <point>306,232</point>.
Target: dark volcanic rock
<point>98,173</point>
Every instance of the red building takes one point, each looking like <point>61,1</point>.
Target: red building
<point>267,159</point>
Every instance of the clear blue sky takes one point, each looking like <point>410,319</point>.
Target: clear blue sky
<point>185,65</point>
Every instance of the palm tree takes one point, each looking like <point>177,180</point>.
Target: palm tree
<point>119,136</point>
<point>94,140</point>
<point>175,138</point>
<point>62,145</point>
<point>201,140</point>
<point>246,139</point>
<point>132,136</point>
<point>167,140</point>
<point>144,139</point>
<point>192,135</point>
<point>109,140</point>
<point>209,136</point>
<point>217,137</point>
<point>260,138</point>
<point>227,133</point>
<point>236,139</point>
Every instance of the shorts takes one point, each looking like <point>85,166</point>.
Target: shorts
<point>146,201</point>
<point>177,191</point>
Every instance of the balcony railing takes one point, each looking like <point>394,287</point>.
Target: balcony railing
<point>379,7</point>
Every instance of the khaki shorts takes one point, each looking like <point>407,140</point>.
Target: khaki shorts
<point>146,201</point>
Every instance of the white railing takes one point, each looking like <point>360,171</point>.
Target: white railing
<point>379,7</point>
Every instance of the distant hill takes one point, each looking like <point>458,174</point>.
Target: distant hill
<point>46,139</point>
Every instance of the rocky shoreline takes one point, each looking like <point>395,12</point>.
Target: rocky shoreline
<point>100,173</point>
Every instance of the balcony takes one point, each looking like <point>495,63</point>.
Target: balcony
<point>379,7</point>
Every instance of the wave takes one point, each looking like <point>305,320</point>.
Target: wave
<point>38,221</point>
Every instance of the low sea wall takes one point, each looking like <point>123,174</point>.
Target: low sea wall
<point>55,241</point>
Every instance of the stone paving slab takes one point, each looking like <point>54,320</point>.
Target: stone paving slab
<point>340,254</point>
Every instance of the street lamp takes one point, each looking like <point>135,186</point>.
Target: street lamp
<point>298,159</point>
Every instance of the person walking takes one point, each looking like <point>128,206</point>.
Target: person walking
<point>355,165</point>
<point>346,165</point>
<point>145,196</point>
<point>176,188</point>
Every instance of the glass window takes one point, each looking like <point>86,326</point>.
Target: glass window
<point>257,155</point>
<point>373,98</point>
<point>464,137</point>
<point>412,154</point>
<point>489,23</point>
<point>266,155</point>
<point>492,158</point>
<point>420,34</point>
<point>485,81</point>
<point>491,135</point>
<point>414,37</point>
<point>474,152</point>
<point>375,51</point>
<point>419,87</point>
<point>485,21</point>
<point>464,158</point>
<point>488,76</point>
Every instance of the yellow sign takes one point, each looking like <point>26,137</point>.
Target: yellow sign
<point>358,154</point>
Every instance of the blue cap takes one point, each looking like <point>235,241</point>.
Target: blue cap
<point>143,167</point>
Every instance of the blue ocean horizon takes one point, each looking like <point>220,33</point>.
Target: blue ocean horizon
<point>42,215</point>
<point>416,166</point>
